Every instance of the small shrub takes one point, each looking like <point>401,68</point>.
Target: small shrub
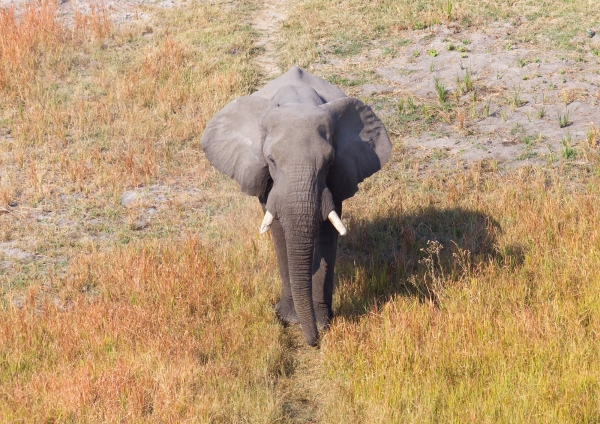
<point>440,89</point>
<point>563,119</point>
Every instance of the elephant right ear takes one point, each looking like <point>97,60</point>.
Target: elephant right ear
<point>232,142</point>
<point>362,146</point>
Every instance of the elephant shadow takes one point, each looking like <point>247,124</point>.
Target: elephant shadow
<point>415,255</point>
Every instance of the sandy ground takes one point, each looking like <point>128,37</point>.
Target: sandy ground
<point>520,91</point>
<point>267,22</point>
<point>119,11</point>
<point>513,134</point>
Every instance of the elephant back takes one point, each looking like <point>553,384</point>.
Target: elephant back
<point>296,76</point>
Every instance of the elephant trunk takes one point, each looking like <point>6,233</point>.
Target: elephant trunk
<point>300,220</point>
<point>300,257</point>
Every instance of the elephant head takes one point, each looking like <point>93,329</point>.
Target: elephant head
<point>302,147</point>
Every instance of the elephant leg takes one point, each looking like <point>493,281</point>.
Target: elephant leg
<point>323,271</point>
<point>285,307</point>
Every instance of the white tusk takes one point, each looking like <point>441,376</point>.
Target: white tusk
<point>267,221</point>
<point>337,223</point>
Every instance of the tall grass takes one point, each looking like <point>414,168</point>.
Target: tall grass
<point>34,39</point>
<point>500,326</point>
<point>164,331</point>
<point>23,39</point>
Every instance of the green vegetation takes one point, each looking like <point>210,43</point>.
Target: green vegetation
<point>521,62</point>
<point>440,89</point>
<point>568,151</point>
<point>563,119</point>
<point>541,112</point>
<point>339,80</point>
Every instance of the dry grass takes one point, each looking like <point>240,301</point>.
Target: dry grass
<point>499,326</point>
<point>103,326</point>
<point>23,39</point>
<point>463,296</point>
<point>347,27</point>
<point>96,109</point>
<point>167,331</point>
<point>33,40</point>
<point>95,115</point>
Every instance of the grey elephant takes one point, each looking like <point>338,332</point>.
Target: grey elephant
<point>301,146</point>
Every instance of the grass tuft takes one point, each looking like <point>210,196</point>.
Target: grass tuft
<point>440,90</point>
<point>563,119</point>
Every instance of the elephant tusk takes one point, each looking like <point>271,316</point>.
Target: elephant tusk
<point>267,221</point>
<point>337,223</point>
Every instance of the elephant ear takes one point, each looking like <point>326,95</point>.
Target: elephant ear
<point>296,76</point>
<point>362,146</point>
<point>232,142</point>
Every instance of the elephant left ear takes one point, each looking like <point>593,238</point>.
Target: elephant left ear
<point>232,142</point>
<point>362,146</point>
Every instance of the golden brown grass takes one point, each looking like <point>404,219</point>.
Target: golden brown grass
<point>500,326</point>
<point>167,331</point>
<point>32,39</point>
<point>22,40</point>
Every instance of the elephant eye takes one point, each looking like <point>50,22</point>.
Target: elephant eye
<point>271,160</point>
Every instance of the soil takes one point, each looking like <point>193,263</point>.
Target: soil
<point>267,22</point>
<point>520,92</point>
<point>504,74</point>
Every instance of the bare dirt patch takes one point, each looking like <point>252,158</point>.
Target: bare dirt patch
<point>267,22</point>
<point>504,102</point>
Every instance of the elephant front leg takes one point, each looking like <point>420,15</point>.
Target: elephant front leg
<point>285,307</point>
<point>323,272</point>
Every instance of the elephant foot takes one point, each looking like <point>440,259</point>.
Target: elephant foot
<point>324,315</point>
<point>286,313</point>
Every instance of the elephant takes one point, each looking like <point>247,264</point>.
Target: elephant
<point>301,146</point>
